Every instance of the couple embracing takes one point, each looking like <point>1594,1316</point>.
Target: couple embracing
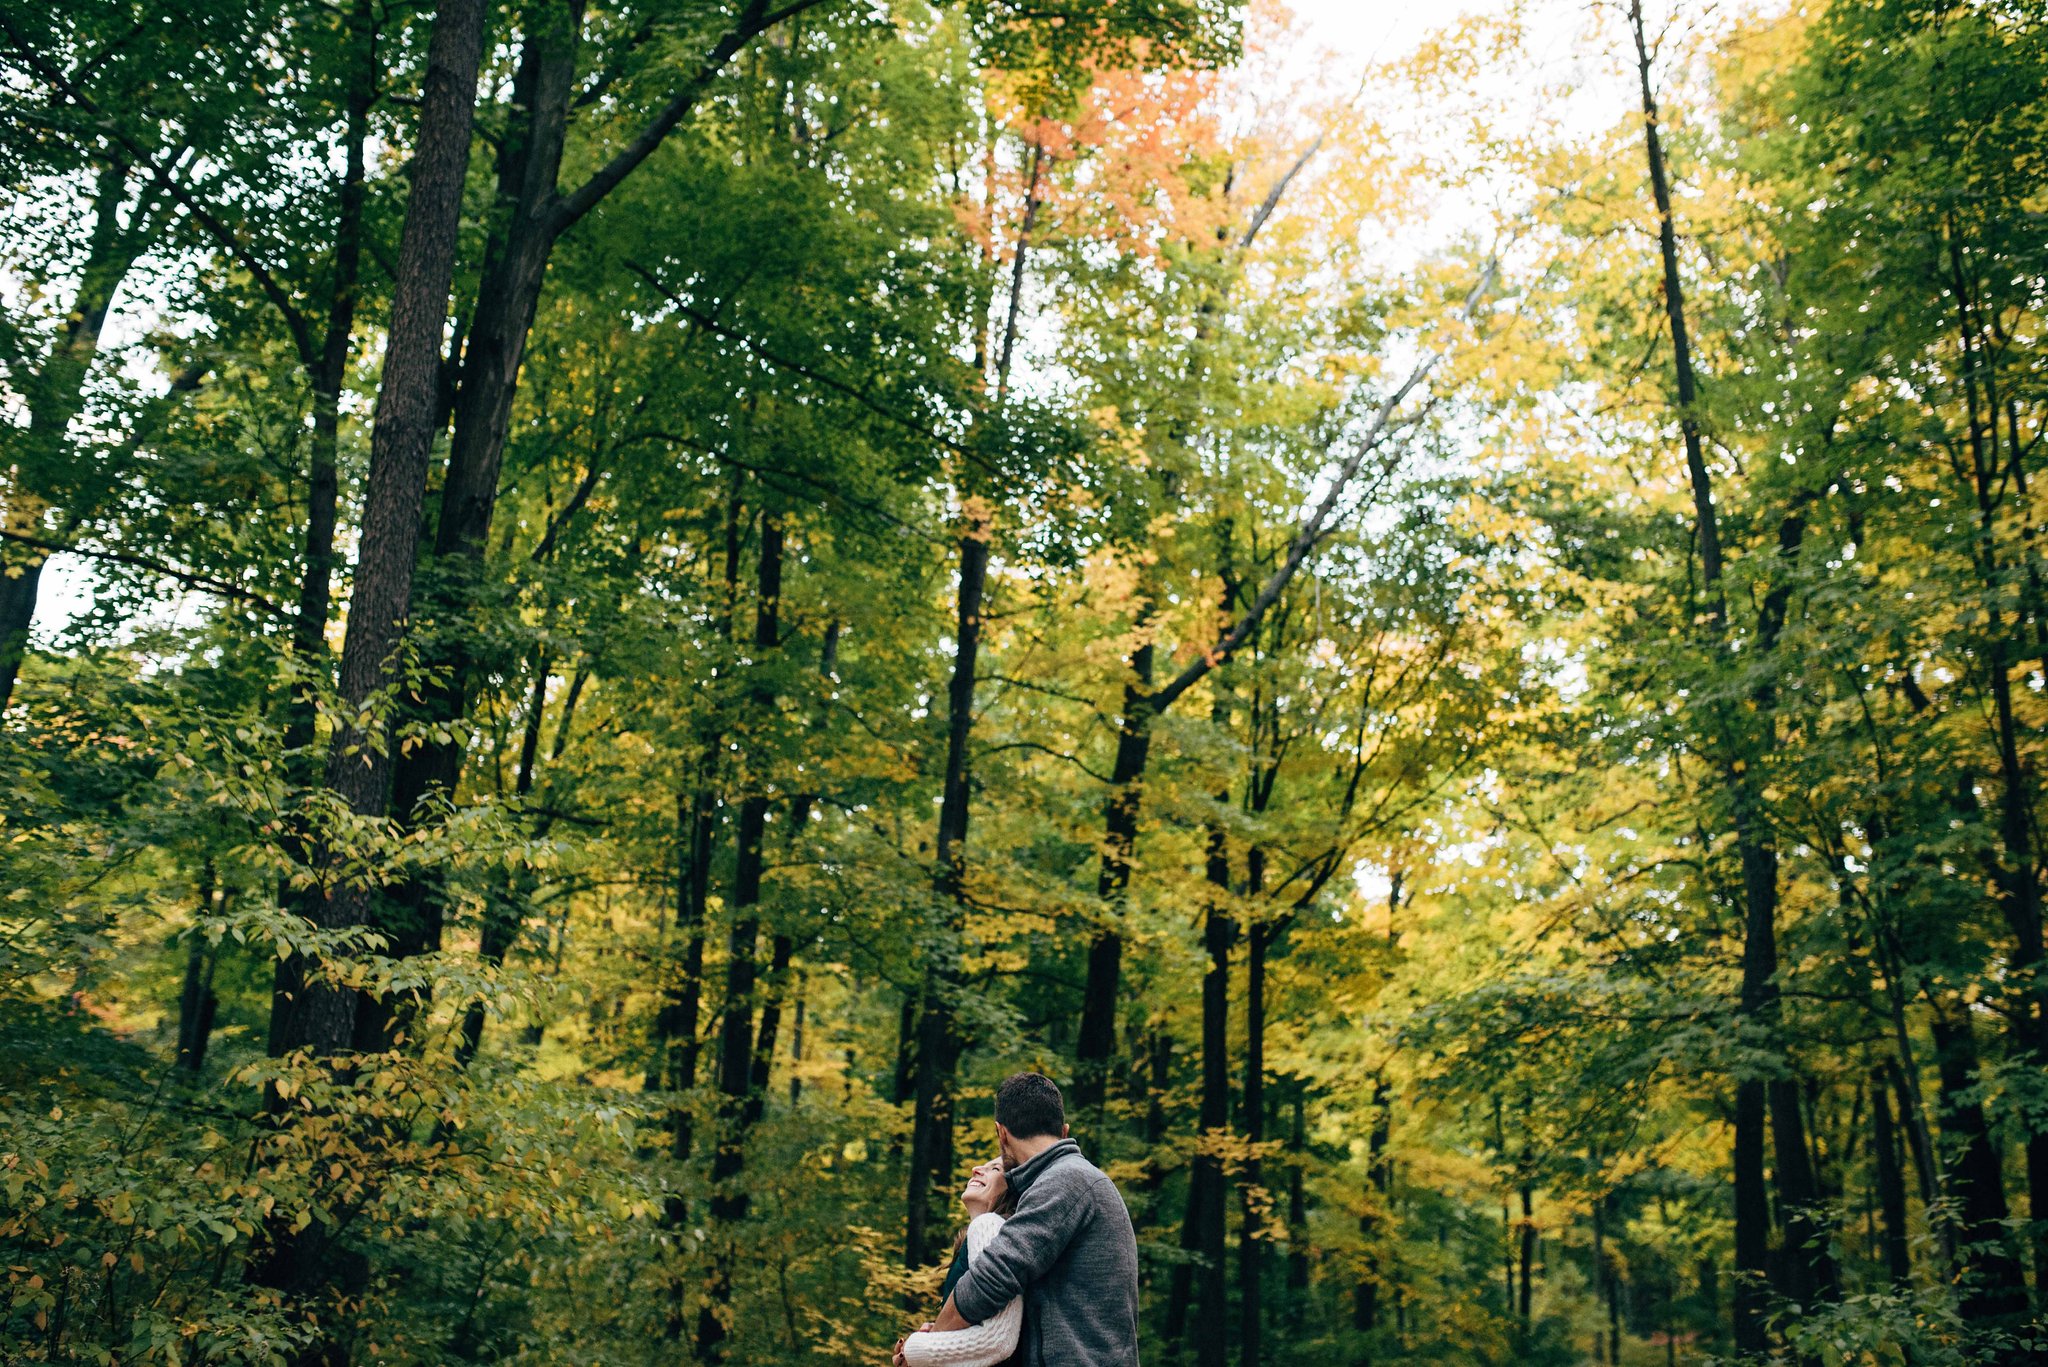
<point>1046,1274</point>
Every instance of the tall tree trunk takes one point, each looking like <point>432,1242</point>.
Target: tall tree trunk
<point>938,1045</point>
<point>1808,1262</point>
<point>736,1110</point>
<point>1994,1286</point>
<point>55,399</point>
<point>1365,1303</point>
<point>1097,1040</point>
<point>796,1047</point>
<point>321,1016</point>
<point>312,1014</point>
<point>1891,1185</point>
<point>1220,933</point>
<point>1527,1259</point>
<point>697,832</point>
<point>1759,860</point>
<point>1297,1198</point>
<point>937,1048</point>
<point>1251,1245</point>
<point>533,212</point>
<point>2019,883</point>
<point>1611,1274</point>
<point>1602,1274</point>
<point>197,1002</point>
<point>1181,1283</point>
<point>327,375</point>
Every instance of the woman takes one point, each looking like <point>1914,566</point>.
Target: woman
<point>988,1201</point>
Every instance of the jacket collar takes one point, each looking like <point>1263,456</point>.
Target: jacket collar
<point>1027,1172</point>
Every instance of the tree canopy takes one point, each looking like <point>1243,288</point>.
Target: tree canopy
<point>608,613</point>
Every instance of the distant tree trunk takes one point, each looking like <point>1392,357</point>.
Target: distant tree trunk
<point>796,1047</point>
<point>1507,1218</point>
<point>1097,1040</point>
<point>1612,1274</point>
<point>1891,1186</point>
<point>2018,877</point>
<point>1365,1305</point>
<point>782,948</point>
<point>1528,1254</point>
<point>1603,1280</point>
<point>1994,1286</point>
<point>327,375</point>
<point>696,831</point>
<point>937,1049</point>
<point>504,916</point>
<point>1180,1284</point>
<point>316,1015</point>
<point>1220,933</point>
<point>1159,1062</point>
<point>737,1110</point>
<point>197,1002</point>
<point>1758,858</point>
<point>1297,1199</point>
<point>1808,1264</point>
<point>55,398</point>
<point>1251,1247</point>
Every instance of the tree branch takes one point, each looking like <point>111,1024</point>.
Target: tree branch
<point>1316,525</point>
<point>567,209</point>
<point>189,578</point>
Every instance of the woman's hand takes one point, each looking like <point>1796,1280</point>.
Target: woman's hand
<point>896,1357</point>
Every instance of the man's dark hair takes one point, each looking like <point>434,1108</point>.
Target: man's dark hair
<point>1028,1105</point>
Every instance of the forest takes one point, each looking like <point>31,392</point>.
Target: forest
<point>611,609</point>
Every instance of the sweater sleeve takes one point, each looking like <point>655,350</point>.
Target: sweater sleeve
<point>1027,1246</point>
<point>978,1345</point>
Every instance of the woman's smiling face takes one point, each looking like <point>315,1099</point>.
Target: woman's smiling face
<point>985,1187</point>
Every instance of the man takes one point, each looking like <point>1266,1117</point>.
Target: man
<point>1070,1250</point>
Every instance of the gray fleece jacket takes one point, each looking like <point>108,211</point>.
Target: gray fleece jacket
<point>1071,1253</point>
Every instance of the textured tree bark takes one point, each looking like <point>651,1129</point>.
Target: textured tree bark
<point>316,1015</point>
<point>308,1013</point>
<point>533,213</point>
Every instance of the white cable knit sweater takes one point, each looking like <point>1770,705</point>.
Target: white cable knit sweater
<point>978,1345</point>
